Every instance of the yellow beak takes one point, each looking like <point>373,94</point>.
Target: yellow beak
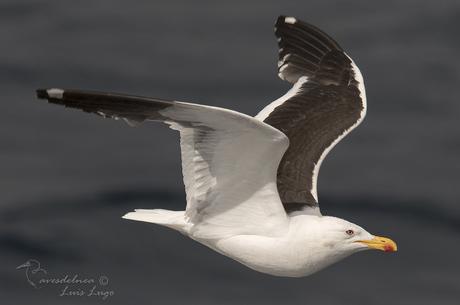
<point>380,243</point>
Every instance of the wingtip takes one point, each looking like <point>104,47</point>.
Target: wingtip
<point>286,19</point>
<point>52,93</point>
<point>290,20</point>
<point>42,94</point>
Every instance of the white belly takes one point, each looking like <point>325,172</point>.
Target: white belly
<point>275,256</point>
<point>299,252</point>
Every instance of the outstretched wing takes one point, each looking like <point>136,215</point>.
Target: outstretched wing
<point>326,102</point>
<point>229,160</point>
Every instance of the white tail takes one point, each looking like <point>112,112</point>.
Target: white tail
<point>171,219</point>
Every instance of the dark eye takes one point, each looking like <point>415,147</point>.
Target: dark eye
<point>350,232</point>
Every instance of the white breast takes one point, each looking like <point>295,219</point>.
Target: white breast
<point>302,251</point>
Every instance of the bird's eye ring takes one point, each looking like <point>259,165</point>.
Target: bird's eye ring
<point>350,232</point>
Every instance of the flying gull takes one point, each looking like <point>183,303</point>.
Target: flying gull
<point>251,182</point>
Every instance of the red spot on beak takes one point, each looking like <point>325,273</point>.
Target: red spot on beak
<point>388,248</point>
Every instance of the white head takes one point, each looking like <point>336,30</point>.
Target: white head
<point>345,238</point>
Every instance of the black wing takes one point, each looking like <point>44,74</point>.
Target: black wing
<point>133,109</point>
<point>327,101</point>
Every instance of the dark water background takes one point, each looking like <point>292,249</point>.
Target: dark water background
<point>66,177</point>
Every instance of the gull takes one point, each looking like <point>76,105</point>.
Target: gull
<point>251,182</point>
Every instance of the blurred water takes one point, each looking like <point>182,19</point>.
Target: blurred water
<point>66,177</point>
